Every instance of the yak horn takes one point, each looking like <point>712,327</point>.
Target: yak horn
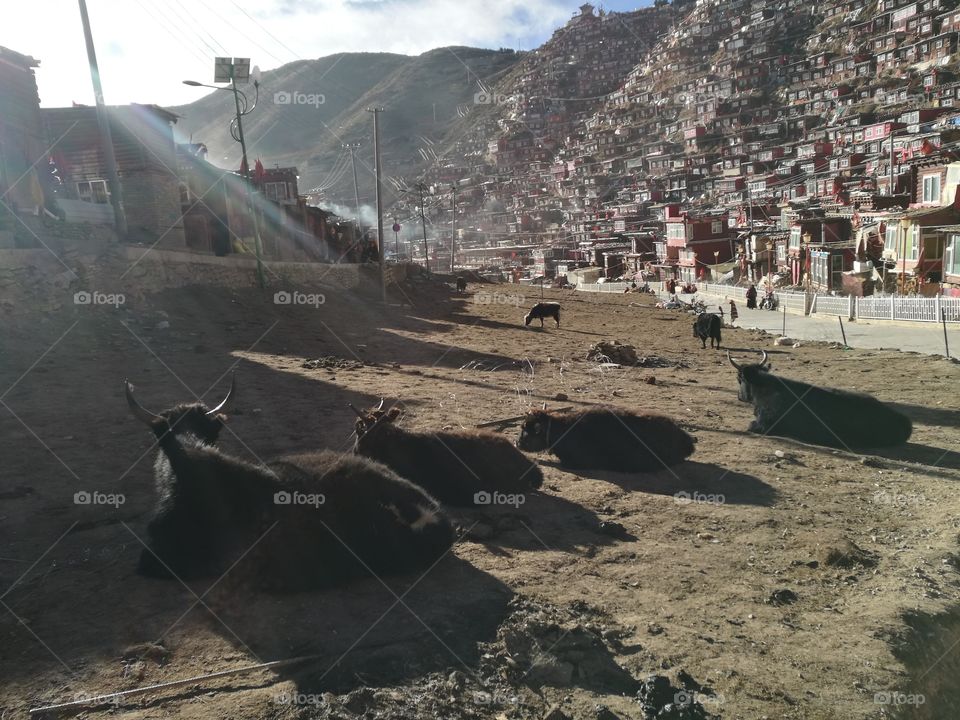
<point>358,413</point>
<point>223,403</point>
<point>732,361</point>
<point>139,412</point>
<point>380,406</point>
<point>764,361</point>
<point>543,407</point>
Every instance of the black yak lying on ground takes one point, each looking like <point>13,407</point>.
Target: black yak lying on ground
<point>606,439</point>
<point>707,325</point>
<point>460,467</point>
<point>823,416</point>
<point>304,522</point>
<point>543,310</point>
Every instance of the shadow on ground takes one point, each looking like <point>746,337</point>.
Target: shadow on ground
<point>688,479</point>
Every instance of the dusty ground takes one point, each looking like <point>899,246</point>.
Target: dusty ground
<point>537,610</point>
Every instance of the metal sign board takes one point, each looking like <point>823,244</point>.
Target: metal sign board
<point>222,68</point>
<point>241,70</point>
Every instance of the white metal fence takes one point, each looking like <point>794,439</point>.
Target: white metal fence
<point>917,309</point>
<point>889,307</point>
<point>832,305</point>
<point>616,287</point>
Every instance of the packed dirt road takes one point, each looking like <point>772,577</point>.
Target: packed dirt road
<point>763,577</point>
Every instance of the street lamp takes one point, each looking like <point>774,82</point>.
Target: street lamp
<point>716,262</point>
<point>236,132</point>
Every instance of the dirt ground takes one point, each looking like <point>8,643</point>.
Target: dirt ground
<point>765,578</point>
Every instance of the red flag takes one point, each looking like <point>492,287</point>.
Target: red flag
<point>258,172</point>
<point>927,147</point>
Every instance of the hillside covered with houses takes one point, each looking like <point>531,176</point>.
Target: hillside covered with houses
<point>813,143</point>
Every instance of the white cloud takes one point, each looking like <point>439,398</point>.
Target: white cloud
<point>147,47</point>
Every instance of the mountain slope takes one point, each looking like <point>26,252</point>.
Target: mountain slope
<point>310,136</point>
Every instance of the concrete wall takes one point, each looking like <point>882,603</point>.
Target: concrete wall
<point>152,204</point>
<point>48,279</point>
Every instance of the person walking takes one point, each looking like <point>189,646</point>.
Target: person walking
<point>752,297</point>
<point>733,312</point>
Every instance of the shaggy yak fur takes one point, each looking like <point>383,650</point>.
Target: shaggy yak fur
<point>453,466</point>
<point>822,416</point>
<point>543,310</point>
<point>301,523</point>
<point>606,439</point>
<point>707,325</point>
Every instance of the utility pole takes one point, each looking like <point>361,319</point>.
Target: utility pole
<point>376,152</point>
<point>257,244</point>
<point>103,121</point>
<point>353,147</point>
<point>453,228</point>
<point>891,162</point>
<point>423,223</point>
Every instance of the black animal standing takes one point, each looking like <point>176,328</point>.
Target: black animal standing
<point>543,310</point>
<point>453,466</point>
<point>461,284</point>
<point>304,522</point>
<point>823,416</point>
<point>708,325</point>
<point>604,438</point>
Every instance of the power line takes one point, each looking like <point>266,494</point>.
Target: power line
<point>162,22</point>
<point>274,37</point>
<point>224,19</point>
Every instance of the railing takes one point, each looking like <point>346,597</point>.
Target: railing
<point>833,305</point>
<point>913,309</point>
<point>910,309</point>
<point>616,287</point>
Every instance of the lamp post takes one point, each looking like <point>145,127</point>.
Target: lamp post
<point>423,223</point>
<point>716,261</point>
<point>453,228</point>
<point>236,132</point>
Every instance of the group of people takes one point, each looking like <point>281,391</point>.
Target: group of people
<point>672,287</point>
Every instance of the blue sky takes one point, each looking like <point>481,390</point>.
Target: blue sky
<point>146,47</point>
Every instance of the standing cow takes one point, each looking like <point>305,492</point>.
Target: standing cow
<point>604,438</point>
<point>823,416</point>
<point>707,325</point>
<point>543,310</point>
<point>461,284</point>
